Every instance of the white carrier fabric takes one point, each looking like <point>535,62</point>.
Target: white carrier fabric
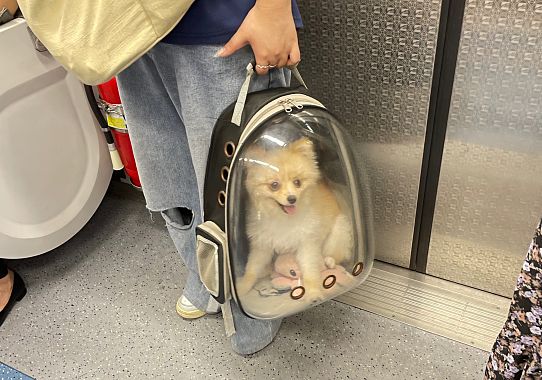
<point>288,222</point>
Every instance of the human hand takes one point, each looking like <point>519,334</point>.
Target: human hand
<point>269,29</point>
<point>11,5</point>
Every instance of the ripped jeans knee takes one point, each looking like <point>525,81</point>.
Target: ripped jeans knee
<point>180,223</point>
<point>180,218</point>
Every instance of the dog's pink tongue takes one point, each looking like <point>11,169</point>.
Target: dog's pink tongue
<point>289,209</point>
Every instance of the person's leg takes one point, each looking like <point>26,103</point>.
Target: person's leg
<point>199,87</point>
<point>12,290</point>
<point>164,163</point>
<point>534,368</point>
<point>508,357</point>
<point>206,86</point>
<point>516,348</point>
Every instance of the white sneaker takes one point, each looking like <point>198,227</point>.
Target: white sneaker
<point>186,310</point>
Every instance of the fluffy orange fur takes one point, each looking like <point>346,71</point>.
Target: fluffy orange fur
<point>292,210</point>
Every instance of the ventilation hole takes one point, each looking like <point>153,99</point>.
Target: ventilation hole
<point>329,281</point>
<point>297,292</point>
<point>222,198</point>
<point>358,268</point>
<point>224,173</point>
<point>229,149</point>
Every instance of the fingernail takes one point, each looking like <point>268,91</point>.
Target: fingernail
<point>219,53</point>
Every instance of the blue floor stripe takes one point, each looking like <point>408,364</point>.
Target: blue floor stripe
<point>9,373</point>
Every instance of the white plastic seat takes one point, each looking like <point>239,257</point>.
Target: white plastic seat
<point>54,162</point>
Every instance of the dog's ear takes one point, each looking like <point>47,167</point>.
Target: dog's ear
<point>303,146</point>
<point>255,152</point>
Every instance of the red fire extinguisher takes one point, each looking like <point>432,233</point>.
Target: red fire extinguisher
<point>111,104</point>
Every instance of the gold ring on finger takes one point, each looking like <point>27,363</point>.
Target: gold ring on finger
<point>265,66</point>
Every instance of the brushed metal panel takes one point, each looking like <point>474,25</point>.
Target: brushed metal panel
<point>489,198</point>
<point>454,311</point>
<point>371,63</point>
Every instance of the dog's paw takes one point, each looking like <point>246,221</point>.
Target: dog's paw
<point>267,290</point>
<point>330,262</point>
<point>314,294</point>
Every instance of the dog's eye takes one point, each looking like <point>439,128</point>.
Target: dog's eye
<point>292,273</point>
<point>274,185</point>
<point>297,183</point>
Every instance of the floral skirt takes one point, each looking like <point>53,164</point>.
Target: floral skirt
<point>516,353</point>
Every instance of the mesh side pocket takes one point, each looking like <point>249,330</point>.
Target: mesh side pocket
<point>211,252</point>
<point>207,254</point>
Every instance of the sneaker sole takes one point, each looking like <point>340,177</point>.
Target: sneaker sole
<point>194,314</point>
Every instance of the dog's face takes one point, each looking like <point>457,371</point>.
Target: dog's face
<point>276,179</point>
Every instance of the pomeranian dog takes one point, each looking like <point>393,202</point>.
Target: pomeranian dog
<point>293,210</point>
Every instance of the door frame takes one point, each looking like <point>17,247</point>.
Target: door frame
<point>447,49</point>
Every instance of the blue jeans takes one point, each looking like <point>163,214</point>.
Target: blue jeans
<point>172,97</point>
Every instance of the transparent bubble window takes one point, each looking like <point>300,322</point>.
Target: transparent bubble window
<point>297,221</point>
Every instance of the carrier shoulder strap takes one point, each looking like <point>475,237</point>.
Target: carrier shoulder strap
<point>227,315</point>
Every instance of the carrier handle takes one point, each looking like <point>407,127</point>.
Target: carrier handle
<point>241,99</point>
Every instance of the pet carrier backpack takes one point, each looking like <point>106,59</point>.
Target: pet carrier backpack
<point>287,221</point>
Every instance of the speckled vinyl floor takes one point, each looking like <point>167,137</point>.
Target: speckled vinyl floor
<point>102,306</point>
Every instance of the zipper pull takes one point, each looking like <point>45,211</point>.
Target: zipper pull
<point>296,105</point>
<point>286,105</point>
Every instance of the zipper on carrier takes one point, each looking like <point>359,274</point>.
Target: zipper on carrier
<point>288,105</point>
<point>285,103</point>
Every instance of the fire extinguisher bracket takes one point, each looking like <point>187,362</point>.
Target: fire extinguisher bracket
<point>114,114</point>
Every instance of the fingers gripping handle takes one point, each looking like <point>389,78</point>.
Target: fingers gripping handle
<point>241,99</point>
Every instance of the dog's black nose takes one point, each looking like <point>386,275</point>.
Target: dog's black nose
<point>291,199</point>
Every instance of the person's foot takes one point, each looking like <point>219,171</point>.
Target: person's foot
<point>6,286</point>
<point>12,289</point>
<point>187,310</point>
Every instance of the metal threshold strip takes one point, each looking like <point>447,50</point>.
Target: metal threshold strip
<point>438,306</point>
